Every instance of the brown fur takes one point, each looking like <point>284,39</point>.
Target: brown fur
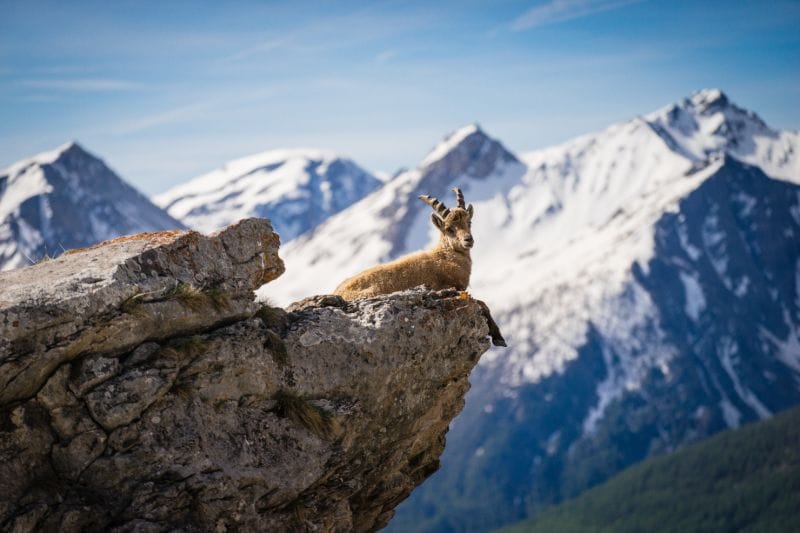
<point>447,264</point>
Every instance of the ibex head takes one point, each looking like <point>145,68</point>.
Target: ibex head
<point>454,224</point>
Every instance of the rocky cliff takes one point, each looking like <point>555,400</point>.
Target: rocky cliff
<point>143,389</point>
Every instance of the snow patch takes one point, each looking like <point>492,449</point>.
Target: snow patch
<point>730,414</point>
<point>788,349</point>
<point>741,288</point>
<point>21,186</point>
<point>692,251</point>
<point>695,299</point>
<point>715,246</point>
<point>727,350</point>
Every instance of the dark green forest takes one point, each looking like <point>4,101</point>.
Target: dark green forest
<point>747,479</point>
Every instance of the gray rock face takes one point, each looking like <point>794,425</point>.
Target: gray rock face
<point>144,390</point>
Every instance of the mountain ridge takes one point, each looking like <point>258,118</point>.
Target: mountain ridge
<point>296,188</point>
<point>68,198</point>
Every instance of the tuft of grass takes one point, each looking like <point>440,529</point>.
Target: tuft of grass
<point>188,295</point>
<point>274,318</point>
<point>133,305</point>
<point>189,346</point>
<point>219,298</point>
<point>197,299</point>
<point>311,417</point>
<point>182,389</point>
<point>277,348</point>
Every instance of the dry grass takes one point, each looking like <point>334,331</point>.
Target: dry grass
<point>274,318</point>
<point>189,346</point>
<point>300,411</point>
<point>198,299</point>
<point>218,298</point>
<point>277,348</point>
<point>183,389</point>
<point>188,295</point>
<point>133,305</point>
<point>153,238</point>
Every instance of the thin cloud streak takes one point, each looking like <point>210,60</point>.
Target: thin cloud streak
<point>223,103</point>
<point>261,48</point>
<point>179,114</point>
<point>561,10</point>
<point>386,55</point>
<point>80,85</point>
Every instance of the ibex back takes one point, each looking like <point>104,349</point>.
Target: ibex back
<point>446,265</point>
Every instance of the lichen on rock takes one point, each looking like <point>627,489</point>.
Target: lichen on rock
<point>129,405</point>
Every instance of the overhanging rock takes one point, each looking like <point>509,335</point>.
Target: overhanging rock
<point>144,390</point>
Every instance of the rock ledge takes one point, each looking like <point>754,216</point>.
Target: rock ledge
<point>144,390</point>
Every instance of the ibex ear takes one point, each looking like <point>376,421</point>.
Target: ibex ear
<point>438,222</point>
<point>469,210</point>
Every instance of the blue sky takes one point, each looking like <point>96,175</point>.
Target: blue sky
<point>164,91</point>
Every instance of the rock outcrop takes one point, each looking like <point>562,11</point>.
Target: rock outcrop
<point>143,389</point>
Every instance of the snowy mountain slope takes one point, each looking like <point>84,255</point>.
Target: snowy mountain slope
<point>295,189</point>
<point>702,335</point>
<point>67,198</point>
<point>392,220</point>
<point>653,302</point>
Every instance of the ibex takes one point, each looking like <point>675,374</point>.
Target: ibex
<point>447,265</point>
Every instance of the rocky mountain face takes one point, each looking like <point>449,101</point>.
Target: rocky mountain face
<point>143,389</point>
<point>645,277</point>
<point>65,199</point>
<point>296,189</point>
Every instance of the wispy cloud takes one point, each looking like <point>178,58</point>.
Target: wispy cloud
<point>170,116</point>
<point>386,55</point>
<point>221,105</point>
<point>260,48</point>
<point>319,35</point>
<point>79,85</point>
<point>560,10</point>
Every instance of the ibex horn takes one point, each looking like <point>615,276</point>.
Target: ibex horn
<point>459,198</point>
<point>436,205</point>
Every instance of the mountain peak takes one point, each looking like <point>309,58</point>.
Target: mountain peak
<point>452,141</point>
<point>708,122</point>
<point>714,102</point>
<point>67,198</point>
<point>45,158</point>
<point>709,98</point>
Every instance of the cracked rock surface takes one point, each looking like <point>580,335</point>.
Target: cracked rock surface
<point>142,389</point>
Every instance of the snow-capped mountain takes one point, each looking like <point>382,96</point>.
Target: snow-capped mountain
<point>709,123</point>
<point>391,220</point>
<point>67,198</point>
<point>645,276</point>
<point>295,189</point>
